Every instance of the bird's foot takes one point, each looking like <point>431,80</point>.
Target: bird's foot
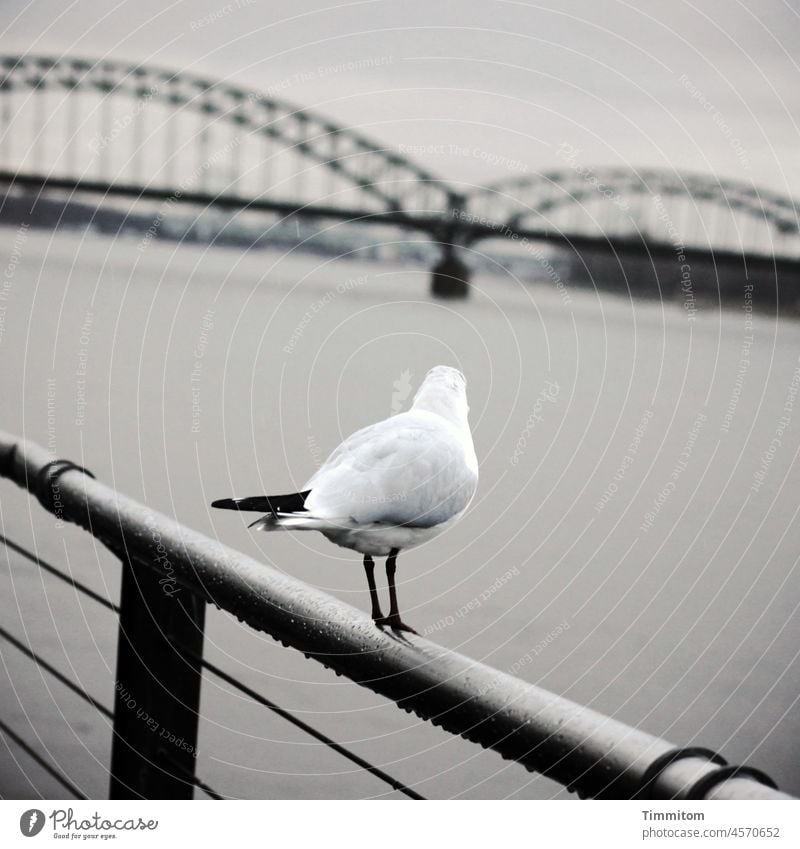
<point>394,621</point>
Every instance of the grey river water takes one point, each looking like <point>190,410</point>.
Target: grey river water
<point>633,544</point>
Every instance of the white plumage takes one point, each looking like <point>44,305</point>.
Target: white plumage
<point>389,486</point>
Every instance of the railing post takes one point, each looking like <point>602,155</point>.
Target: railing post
<point>157,687</point>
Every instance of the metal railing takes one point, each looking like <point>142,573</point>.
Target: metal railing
<point>160,664</point>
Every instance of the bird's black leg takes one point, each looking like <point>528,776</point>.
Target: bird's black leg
<point>369,568</point>
<point>393,619</point>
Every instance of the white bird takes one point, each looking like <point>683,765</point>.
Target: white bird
<point>389,486</point>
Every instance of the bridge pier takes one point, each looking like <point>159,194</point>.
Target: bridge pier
<point>450,276</point>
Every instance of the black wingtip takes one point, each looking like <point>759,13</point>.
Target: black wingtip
<point>290,503</point>
<point>225,504</point>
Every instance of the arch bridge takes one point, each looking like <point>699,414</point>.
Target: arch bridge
<point>121,130</point>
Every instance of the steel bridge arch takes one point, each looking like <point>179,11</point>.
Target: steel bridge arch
<point>511,203</point>
<point>396,183</point>
<point>572,206</point>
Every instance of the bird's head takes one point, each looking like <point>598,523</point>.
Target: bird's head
<point>444,391</point>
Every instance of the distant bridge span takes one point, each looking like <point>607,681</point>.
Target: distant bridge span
<point>109,128</point>
<point>119,127</point>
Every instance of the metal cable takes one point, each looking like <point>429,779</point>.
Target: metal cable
<point>206,789</point>
<point>257,697</point>
<point>55,673</point>
<point>58,573</point>
<point>92,701</point>
<point>59,777</point>
<point>309,729</point>
<point>193,779</point>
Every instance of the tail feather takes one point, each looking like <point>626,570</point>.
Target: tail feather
<point>289,522</point>
<point>294,502</point>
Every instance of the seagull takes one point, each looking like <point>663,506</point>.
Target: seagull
<point>388,487</point>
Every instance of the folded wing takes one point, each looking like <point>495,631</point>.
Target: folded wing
<point>411,469</point>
